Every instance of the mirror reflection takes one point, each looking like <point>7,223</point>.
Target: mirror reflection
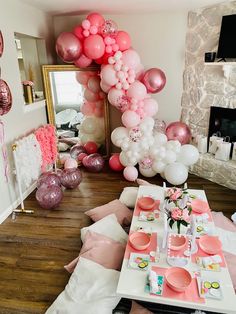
<point>77,106</point>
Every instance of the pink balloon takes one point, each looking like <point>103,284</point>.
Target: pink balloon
<point>93,162</point>
<point>137,90</point>
<point>68,47</point>
<point>90,96</point>
<point>76,150</point>
<point>108,75</point>
<point>99,112</point>
<point>5,97</point>
<point>130,119</point>
<point>139,72</point>
<point>178,131</point>
<point>114,162</point>
<point>154,79</point>
<point>150,107</point>
<point>105,87</point>
<point>49,197</point>
<point>123,40</point>
<point>131,59</point>
<point>78,32</point>
<point>109,28</point>
<point>82,77</point>
<point>48,179</point>
<point>87,108</point>
<point>95,19</point>
<point>94,84</point>
<point>83,61</point>
<point>94,47</point>
<point>115,95</point>
<point>70,163</point>
<point>130,173</point>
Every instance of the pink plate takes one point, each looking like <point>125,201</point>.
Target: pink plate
<point>178,279</point>
<point>177,242</point>
<point>210,244</point>
<point>199,206</point>
<point>146,203</point>
<point>139,240</point>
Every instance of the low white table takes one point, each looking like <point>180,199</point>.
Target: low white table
<point>132,282</point>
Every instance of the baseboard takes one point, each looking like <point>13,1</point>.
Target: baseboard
<point>14,205</point>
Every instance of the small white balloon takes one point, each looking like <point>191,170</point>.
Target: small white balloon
<point>160,138</point>
<point>118,135</point>
<point>124,159</point>
<point>147,172</point>
<point>159,166</point>
<point>188,155</point>
<point>176,173</point>
<point>170,156</point>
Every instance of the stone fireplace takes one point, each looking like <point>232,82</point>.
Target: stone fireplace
<point>206,85</point>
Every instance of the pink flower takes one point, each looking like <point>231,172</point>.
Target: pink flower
<point>170,191</point>
<point>185,215</point>
<point>176,213</point>
<point>177,194</point>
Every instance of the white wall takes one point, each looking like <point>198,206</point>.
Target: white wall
<point>20,18</point>
<point>160,41</point>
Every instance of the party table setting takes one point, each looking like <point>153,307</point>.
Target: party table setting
<point>173,255</point>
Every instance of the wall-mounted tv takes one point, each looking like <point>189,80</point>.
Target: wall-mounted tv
<point>227,43</point>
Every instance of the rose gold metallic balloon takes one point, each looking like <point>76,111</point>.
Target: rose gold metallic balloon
<point>5,98</point>
<point>68,47</point>
<point>154,79</point>
<point>178,131</point>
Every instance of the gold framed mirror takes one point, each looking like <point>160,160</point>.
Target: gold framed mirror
<point>77,106</point>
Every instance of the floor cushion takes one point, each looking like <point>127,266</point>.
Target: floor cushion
<point>101,250</point>
<point>138,309</point>
<point>122,212</point>
<point>91,290</point>
<point>109,227</point>
<point>129,196</point>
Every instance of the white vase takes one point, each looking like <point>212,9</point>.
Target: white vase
<point>174,229</point>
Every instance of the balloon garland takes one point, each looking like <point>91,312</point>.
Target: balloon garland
<point>129,87</point>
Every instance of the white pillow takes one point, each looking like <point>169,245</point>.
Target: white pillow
<point>109,227</point>
<point>90,290</point>
<point>129,196</point>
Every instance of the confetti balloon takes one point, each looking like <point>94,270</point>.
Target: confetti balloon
<point>93,162</point>
<point>76,150</point>
<point>49,197</point>
<point>109,28</point>
<point>71,178</point>
<point>48,179</point>
<point>5,98</point>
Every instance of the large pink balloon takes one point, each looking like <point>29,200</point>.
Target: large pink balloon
<point>71,178</point>
<point>108,75</point>
<point>87,108</point>
<point>90,96</point>
<point>154,79</point>
<point>94,84</point>
<point>131,59</point>
<point>83,61</point>
<point>78,32</point>
<point>68,47</point>
<point>123,40</point>
<point>95,19</point>
<point>76,150</point>
<point>49,197</point>
<point>5,98</point>
<point>94,47</point>
<point>178,131</point>
<point>115,95</point>
<point>130,119</point>
<point>105,87</point>
<point>82,77</point>
<point>150,107</point>
<point>137,90</point>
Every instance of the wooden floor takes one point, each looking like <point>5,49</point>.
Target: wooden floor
<point>34,249</point>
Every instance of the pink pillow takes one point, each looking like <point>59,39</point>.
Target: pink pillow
<point>143,182</point>
<point>138,309</point>
<point>122,212</point>
<point>100,249</point>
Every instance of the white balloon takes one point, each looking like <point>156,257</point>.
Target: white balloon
<point>188,155</point>
<point>159,166</point>
<point>147,172</point>
<point>89,125</point>
<point>124,159</point>
<point>173,145</point>
<point>124,146</point>
<point>84,137</point>
<point>118,135</point>
<point>176,173</point>
<point>170,156</point>
<point>160,139</point>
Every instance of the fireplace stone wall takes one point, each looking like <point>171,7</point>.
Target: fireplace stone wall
<point>207,85</point>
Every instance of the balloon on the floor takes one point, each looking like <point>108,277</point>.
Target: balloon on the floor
<point>114,162</point>
<point>49,197</point>
<point>70,163</point>
<point>71,178</point>
<point>48,179</point>
<point>93,162</point>
<point>76,150</point>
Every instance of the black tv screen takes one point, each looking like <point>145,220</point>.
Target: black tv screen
<point>227,40</point>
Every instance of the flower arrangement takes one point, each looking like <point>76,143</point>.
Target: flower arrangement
<point>177,206</point>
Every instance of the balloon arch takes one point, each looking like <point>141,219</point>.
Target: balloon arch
<point>143,140</point>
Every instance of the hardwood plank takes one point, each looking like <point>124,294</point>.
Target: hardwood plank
<point>34,248</point>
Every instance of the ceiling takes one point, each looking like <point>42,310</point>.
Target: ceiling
<point>60,7</point>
